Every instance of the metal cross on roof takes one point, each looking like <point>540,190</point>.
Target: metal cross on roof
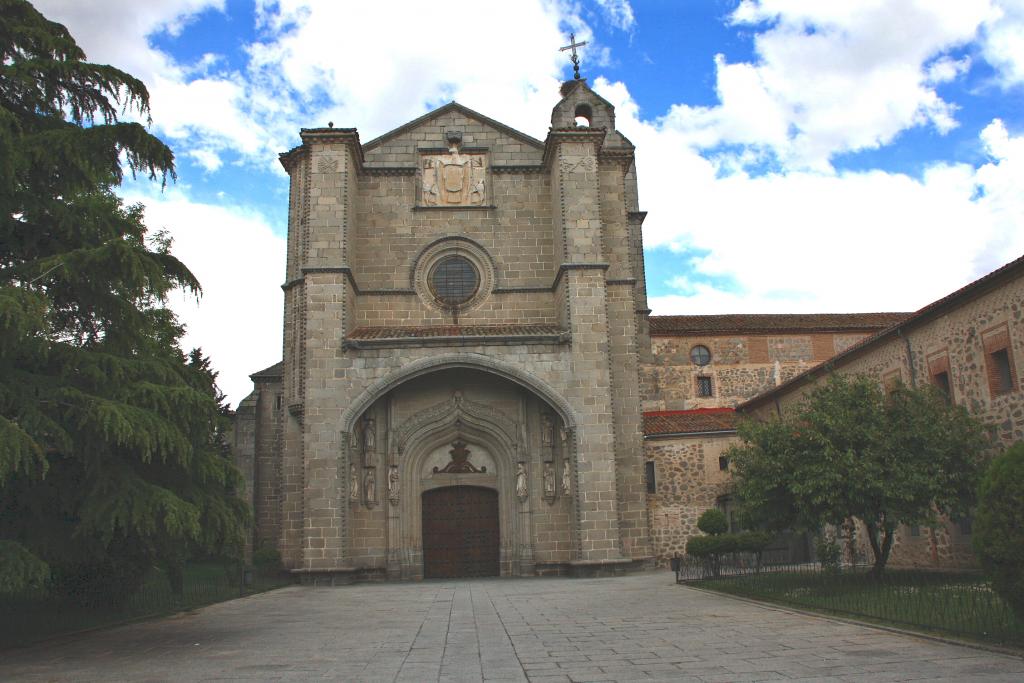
<point>575,58</point>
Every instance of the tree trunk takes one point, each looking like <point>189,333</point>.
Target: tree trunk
<point>881,552</point>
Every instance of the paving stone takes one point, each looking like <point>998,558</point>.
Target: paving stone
<point>634,628</point>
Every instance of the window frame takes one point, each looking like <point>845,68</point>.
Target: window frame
<point>710,384</point>
<point>999,361</point>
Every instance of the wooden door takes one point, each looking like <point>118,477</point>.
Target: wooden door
<point>460,532</point>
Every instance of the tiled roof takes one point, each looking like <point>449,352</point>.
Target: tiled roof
<point>453,331</point>
<point>1013,269</point>
<point>697,421</point>
<point>769,323</point>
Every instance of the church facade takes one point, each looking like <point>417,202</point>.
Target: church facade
<point>465,321</point>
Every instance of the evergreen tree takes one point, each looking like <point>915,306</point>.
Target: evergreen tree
<point>110,437</point>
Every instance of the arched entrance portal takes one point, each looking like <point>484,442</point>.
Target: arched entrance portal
<point>450,474</point>
<point>460,532</point>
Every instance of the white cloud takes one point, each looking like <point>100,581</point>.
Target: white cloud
<point>239,262</point>
<point>833,77</point>
<point>804,241</point>
<point>619,13</point>
<point>1003,42</point>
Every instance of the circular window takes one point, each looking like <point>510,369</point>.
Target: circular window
<point>454,280</point>
<point>700,355</point>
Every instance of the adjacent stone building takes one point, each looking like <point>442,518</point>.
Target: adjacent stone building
<point>465,316</point>
<point>969,344</point>
<point>700,368</point>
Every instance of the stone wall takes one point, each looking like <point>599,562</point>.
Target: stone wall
<point>688,481</point>
<point>742,365</point>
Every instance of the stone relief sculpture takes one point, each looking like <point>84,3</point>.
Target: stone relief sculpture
<point>370,485</point>
<point>566,479</point>
<point>549,480</point>
<point>521,490</point>
<point>353,484</point>
<point>454,178</point>
<point>370,435</point>
<point>546,429</point>
<point>393,484</point>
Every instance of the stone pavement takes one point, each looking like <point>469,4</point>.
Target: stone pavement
<point>634,628</point>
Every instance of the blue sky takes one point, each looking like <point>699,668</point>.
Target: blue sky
<point>793,155</point>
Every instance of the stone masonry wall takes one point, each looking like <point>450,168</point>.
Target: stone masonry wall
<point>741,367</point>
<point>688,481</point>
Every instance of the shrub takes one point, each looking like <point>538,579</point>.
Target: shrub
<point>711,548</point>
<point>999,526</point>
<point>753,541</point>
<point>266,560</point>
<point>829,553</point>
<point>713,522</point>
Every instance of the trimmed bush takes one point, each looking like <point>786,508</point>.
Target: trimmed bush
<point>753,541</point>
<point>713,522</point>
<point>999,526</point>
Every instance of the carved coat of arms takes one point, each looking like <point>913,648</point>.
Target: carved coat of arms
<point>454,178</point>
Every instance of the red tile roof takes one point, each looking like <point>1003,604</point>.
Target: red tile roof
<point>770,323</point>
<point>663,422</point>
<point>997,278</point>
<point>453,331</point>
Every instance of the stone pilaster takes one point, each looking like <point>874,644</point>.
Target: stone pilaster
<point>576,193</point>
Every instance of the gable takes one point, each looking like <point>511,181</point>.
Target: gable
<point>400,146</point>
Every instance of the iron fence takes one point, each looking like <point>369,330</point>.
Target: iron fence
<point>956,603</point>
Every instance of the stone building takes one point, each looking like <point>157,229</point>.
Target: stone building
<point>465,316</point>
<point>700,368</point>
<point>468,357</point>
<point>969,344</point>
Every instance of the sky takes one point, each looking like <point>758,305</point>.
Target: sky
<point>794,156</point>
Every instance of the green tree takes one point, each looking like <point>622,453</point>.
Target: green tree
<point>110,457</point>
<point>999,526</point>
<point>848,450</point>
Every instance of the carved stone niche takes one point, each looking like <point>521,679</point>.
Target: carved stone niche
<point>454,177</point>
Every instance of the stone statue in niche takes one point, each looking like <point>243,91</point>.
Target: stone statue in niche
<point>546,429</point>
<point>566,479</point>
<point>393,484</point>
<point>549,480</point>
<point>521,490</point>
<point>353,484</point>
<point>563,437</point>
<point>455,178</point>
<point>370,435</point>
<point>370,485</point>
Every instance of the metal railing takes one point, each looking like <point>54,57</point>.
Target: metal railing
<point>957,603</point>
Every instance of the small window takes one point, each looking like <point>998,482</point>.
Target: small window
<point>454,280</point>
<point>700,355</point>
<point>652,485</point>
<point>723,463</point>
<point>964,525</point>
<point>277,402</point>
<point>891,381</point>
<point>705,388</point>
<point>915,530</point>
<point>1001,374</point>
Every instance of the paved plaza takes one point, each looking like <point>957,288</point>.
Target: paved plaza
<point>635,628</point>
